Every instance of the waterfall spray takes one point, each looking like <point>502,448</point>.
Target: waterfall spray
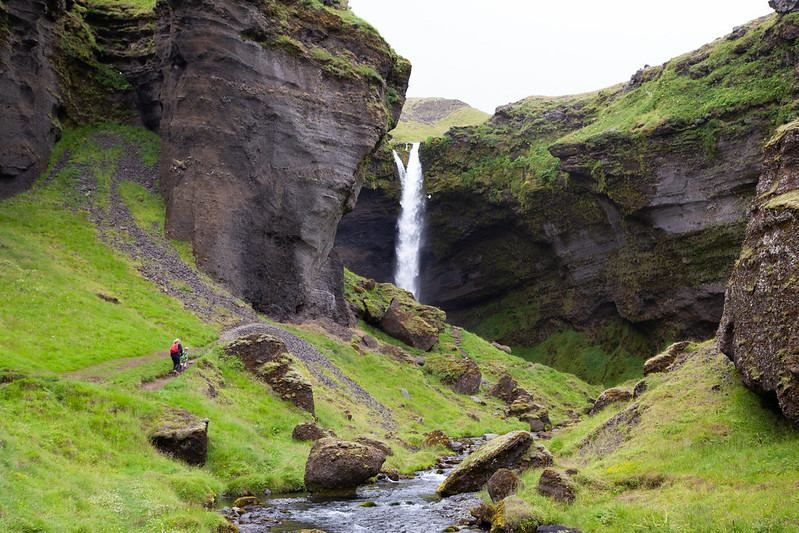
<point>410,223</point>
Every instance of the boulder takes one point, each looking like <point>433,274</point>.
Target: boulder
<point>556,485</point>
<point>514,515</point>
<point>335,465</point>
<point>437,438</point>
<point>501,452</point>
<point>267,357</point>
<point>409,327</point>
<point>613,395</point>
<point>662,361</point>
<point>180,434</point>
<point>308,431</point>
<point>502,484</point>
<point>537,456</point>
<point>640,388</point>
<point>483,514</point>
<point>758,328</point>
<point>397,354</point>
<point>501,347</point>
<point>460,373</point>
<point>377,444</point>
<point>784,6</point>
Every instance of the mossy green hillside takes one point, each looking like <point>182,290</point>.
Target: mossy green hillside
<point>71,355</point>
<point>679,458</point>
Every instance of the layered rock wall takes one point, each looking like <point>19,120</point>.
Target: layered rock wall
<point>262,138</point>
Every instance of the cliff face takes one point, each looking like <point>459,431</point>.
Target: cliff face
<point>626,206</point>
<point>68,64</point>
<point>28,132</point>
<point>268,112</point>
<point>758,331</point>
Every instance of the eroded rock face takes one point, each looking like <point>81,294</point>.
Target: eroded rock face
<point>784,6</point>
<point>267,357</point>
<point>182,435</point>
<point>758,330</point>
<point>28,101</point>
<point>262,141</point>
<point>335,464</point>
<point>501,452</point>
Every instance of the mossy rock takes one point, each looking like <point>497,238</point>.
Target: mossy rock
<point>514,515</point>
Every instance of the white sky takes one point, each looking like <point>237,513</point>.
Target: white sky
<point>493,52</point>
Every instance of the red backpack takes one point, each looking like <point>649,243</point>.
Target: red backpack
<point>174,348</point>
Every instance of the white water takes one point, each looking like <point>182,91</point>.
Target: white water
<point>410,223</point>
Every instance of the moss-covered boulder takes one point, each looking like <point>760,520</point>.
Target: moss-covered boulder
<point>182,435</point>
<point>267,357</point>
<point>514,515</point>
<point>500,452</point>
<point>662,361</point>
<point>460,373</point>
<point>336,465</point>
<point>556,485</point>
<point>537,456</point>
<point>395,311</point>
<point>502,484</point>
<point>308,431</point>
<point>612,395</point>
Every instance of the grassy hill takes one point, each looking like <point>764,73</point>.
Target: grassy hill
<point>431,117</point>
<point>91,296</point>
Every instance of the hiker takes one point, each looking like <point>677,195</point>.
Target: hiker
<point>175,352</point>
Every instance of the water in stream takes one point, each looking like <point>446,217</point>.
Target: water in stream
<point>406,506</point>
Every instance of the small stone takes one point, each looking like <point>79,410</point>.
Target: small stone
<point>406,394</point>
<point>368,504</point>
<point>639,389</point>
<point>247,501</point>
<point>477,400</point>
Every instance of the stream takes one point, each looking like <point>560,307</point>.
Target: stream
<point>404,506</point>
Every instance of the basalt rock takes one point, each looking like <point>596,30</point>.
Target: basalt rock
<point>335,465</point>
<point>263,134</point>
<point>460,373</point>
<point>784,6</point>
<point>537,456</point>
<point>502,484</point>
<point>505,451</point>
<point>27,100</point>
<point>180,434</point>
<point>556,485</point>
<point>662,361</point>
<point>613,395</point>
<point>514,515</point>
<point>267,357</point>
<point>758,331</point>
<point>395,311</point>
<point>308,431</point>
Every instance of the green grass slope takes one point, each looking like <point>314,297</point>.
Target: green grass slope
<point>82,328</point>
<point>696,452</point>
<point>431,117</point>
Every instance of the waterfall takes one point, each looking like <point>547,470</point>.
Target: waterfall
<point>410,223</point>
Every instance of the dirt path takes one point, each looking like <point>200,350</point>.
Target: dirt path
<point>103,371</point>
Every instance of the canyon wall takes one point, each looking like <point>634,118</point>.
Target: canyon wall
<point>624,206</point>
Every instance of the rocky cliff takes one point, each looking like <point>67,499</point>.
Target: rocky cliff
<point>626,206</point>
<point>268,112</point>
<point>69,64</point>
<point>758,330</point>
